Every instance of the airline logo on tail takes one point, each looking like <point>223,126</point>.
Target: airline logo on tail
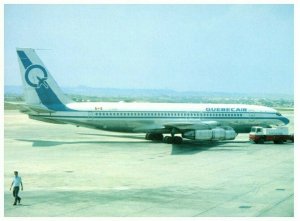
<point>35,71</point>
<point>36,76</point>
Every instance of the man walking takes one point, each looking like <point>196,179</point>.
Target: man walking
<point>17,181</point>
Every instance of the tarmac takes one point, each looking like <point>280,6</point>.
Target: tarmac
<point>70,171</point>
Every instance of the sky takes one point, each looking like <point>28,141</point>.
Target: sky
<point>212,48</point>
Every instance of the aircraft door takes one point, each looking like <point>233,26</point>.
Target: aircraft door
<point>90,115</point>
<point>252,117</point>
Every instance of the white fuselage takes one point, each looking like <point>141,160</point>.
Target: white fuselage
<point>149,117</point>
<point>45,101</point>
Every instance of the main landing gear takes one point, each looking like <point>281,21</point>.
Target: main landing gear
<point>167,139</point>
<point>172,139</point>
<point>154,136</point>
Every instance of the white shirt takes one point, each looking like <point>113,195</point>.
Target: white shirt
<point>17,181</point>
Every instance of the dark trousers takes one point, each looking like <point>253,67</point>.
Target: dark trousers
<point>15,194</point>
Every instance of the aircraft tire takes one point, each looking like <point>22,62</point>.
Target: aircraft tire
<point>172,140</point>
<point>159,137</point>
<point>168,139</point>
<point>177,140</point>
<point>147,136</point>
<point>154,136</point>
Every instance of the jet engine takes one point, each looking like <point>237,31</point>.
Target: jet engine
<point>218,133</point>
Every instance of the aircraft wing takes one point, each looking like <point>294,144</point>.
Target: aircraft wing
<point>203,125</point>
<point>178,126</point>
<point>152,128</point>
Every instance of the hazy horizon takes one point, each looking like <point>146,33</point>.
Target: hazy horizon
<point>93,90</point>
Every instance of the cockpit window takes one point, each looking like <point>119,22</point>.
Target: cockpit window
<point>278,114</point>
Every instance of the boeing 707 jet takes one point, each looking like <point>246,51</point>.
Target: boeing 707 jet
<point>168,122</point>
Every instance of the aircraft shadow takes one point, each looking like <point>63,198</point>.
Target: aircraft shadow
<point>236,141</point>
<point>47,143</point>
<point>118,136</point>
<point>191,147</point>
<point>143,138</point>
<point>188,147</point>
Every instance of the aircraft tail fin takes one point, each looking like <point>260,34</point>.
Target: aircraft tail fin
<point>40,87</point>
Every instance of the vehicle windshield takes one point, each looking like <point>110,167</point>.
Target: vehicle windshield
<point>278,114</point>
<point>253,129</point>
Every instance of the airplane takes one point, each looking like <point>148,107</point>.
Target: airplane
<point>46,102</point>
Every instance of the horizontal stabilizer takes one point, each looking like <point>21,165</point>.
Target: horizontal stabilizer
<point>25,108</point>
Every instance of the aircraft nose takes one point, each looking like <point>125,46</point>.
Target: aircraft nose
<point>285,120</point>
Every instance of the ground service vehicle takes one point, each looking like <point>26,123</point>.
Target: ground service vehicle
<point>276,134</point>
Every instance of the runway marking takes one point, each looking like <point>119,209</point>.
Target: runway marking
<point>245,207</point>
<point>274,205</point>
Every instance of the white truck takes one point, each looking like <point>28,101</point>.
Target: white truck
<point>277,135</point>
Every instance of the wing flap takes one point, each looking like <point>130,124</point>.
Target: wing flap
<point>151,128</point>
<point>178,126</point>
<point>192,126</point>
